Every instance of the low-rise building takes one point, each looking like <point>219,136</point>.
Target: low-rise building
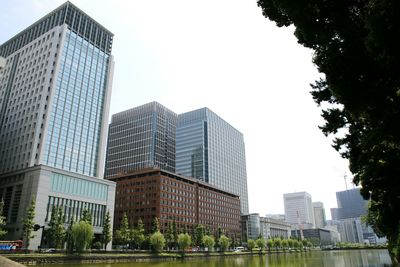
<point>318,236</point>
<point>152,192</point>
<point>251,228</point>
<point>271,228</point>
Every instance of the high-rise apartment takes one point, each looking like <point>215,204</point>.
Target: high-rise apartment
<point>55,86</point>
<point>298,209</point>
<point>211,150</point>
<point>141,137</point>
<point>319,214</point>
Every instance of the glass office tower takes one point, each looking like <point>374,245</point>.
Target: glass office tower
<point>55,86</point>
<point>141,137</point>
<point>210,149</point>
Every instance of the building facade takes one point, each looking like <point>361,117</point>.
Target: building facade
<point>319,214</point>
<point>211,150</point>
<point>251,227</point>
<point>55,91</point>
<point>350,205</point>
<point>347,216</point>
<point>154,193</point>
<point>141,137</point>
<point>318,237</point>
<point>298,209</point>
<point>273,228</point>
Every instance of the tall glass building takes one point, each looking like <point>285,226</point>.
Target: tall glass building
<point>55,86</point>
<point>141,137</point>
<point>210,149</point>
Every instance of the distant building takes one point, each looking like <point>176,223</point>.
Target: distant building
<point>211,150</point>
<point>55,87</point>
<point>152,192</point>
<point>298,209</point>
<point>319,214</point>
<point>251,227</point>
<point>279,217</point>
<point>347,217</point>
<point>317,236</point>
<point>141,137</point>
<point>272,228</point>
<point>350,205</point>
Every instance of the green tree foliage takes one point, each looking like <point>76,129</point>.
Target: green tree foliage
<point>28,223</point>
<point>157,241</point>
<point>175,232</point>
<point>82,234</point>
<point>155,226</point>
<point>184,241</point>
<point>285,244</point>
<point>169,236</point>
<point>86,216</point>
<point>106,233</point>
<point>123,234</point>
<point>198,235</point>
<point>3,232</point>
<point>356,46</point>
<point>277,243</point>
<point>138,234</point>
<point>209,242</point>
<point>261,243</point>
<point>224,242</point>
<point>251,244</point>
<point>56,231</point>
<point>69,238</point>
<point>270,244</point>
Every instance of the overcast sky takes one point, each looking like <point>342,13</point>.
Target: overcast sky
<point>224,55</point>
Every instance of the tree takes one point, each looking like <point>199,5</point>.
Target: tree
<point>86,216</point>
<point>56,231</point>
<point>218,234</point>
<point>285,244</point>
<point>184,241</point>
<point>356,46</point>
<point>260,243</point>
<point>28,223</point>
<point>82,234</point>
<point>270,244</point>
<point>224,242</point>
<point>198,235</point>
<point>209,242</point>
<point>277,243</point>
<point>69,238</point>
<point>157,241</point>
<point>169,236</point>
<point>106,233</point>
<point>251,244</point>
<point>3,232</point>
<point>123,234</point>
<point>138,234</point>
<point>155,227</point>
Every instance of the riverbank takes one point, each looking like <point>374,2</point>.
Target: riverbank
<point>59,258</point>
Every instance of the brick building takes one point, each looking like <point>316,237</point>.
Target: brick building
<point>151,192</point>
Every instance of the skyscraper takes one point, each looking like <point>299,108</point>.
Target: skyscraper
<point>141,137</point>
<point>319,214</point>
<point>350,205</point>
<point>210,149</point>
<point>298,209</point>
<point>55,86</point>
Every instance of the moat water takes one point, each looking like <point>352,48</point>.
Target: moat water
<point>350,258</point>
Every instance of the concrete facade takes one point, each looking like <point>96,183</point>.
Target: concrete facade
<point>73,193</point>
<point>298,209</point>
<point>55,88</point>
<point>273,228</point>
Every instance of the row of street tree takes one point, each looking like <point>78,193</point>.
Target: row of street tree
<point>201,237</point>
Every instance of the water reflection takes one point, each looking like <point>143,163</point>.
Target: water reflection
<point>354,258</point>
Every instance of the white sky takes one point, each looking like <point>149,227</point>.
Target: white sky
<point>224,55</point>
